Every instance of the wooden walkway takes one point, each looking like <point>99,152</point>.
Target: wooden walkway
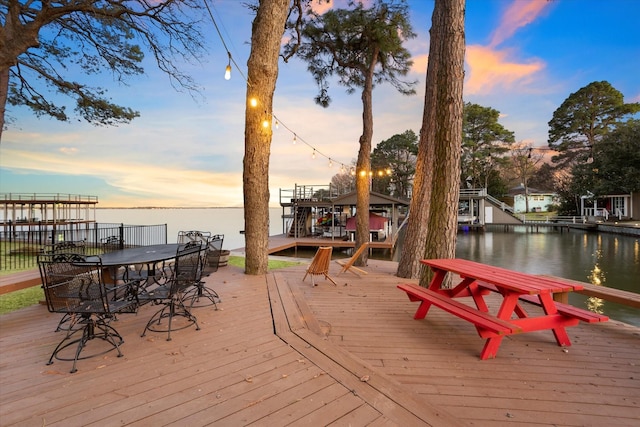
<point>281,352</point>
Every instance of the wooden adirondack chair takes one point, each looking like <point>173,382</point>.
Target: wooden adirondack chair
<point>320,264</point>
<point>347,265</point>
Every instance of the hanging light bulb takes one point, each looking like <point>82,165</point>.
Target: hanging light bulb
<point>253,102</point>
<point>227,71</point>
<point>277,125</point>
<point>295,139</point>
<point>313,156</point>
<point>330,163</point>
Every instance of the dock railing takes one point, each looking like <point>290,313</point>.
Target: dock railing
<point>555,219</point>
<point>20,244</point>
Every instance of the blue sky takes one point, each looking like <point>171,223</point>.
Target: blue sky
<point>523,58</point>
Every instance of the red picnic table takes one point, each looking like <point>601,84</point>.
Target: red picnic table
<point>511,317</point>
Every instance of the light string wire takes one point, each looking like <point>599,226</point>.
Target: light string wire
<point>278,122</point>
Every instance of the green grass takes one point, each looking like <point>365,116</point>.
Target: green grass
<point>22,298</point>
<point>30,296</point>
<point>539,216</point>
<point>238,261</point>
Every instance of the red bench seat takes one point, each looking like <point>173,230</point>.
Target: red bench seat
<point>486,324</point>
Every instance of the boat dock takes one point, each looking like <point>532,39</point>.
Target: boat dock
<point>281,243</point>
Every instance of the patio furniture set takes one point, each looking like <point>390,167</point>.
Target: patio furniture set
<point>90,291</point>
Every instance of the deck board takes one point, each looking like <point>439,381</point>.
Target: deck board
<point>593,382</point>
<point>345,355</point>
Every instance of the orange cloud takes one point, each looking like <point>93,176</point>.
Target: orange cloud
<point>420,63</point>
<point>519,14</point>
<point>489,69</point>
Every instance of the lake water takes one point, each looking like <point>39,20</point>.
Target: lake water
<point>608,259</point>
<point>227,221</point>
<point>599,258</point>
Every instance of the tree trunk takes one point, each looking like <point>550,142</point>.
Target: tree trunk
<point>432,226</point>
<point>363,164</point>
<point>4,90</point>
<point>266,37</point>
<point>448,30</point>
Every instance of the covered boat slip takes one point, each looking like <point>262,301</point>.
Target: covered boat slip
<point>29,209</point>
<point>320,211</point>
<point>281,351</point>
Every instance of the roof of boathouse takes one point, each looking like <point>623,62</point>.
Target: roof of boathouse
<point>375,199</point>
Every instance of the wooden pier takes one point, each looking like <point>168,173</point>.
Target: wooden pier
<point>281,243</point>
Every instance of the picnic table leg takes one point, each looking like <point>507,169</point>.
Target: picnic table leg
<point>491,346</point>
<point>436,282</point>
<point>422,311</point>
<point>560,333</point>
<point>490,349</point>
<point>509,303</point>
<point>437,279</point>
<point>478,298</point>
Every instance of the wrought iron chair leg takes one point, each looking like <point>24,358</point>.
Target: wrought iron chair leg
<point>172,311</point>
<point>202,291</point>
<point>108,333</point>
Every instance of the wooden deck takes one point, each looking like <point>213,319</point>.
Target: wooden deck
<point>281,352</point>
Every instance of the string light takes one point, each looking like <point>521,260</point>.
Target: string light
<point>253,102</point>
<point>227,71</point>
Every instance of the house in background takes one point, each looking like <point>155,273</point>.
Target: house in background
<point>538,200</point>
<point>614,206</point>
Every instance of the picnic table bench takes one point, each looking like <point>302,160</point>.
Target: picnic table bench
<point>478,280</point>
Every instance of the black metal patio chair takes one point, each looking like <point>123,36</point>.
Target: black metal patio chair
<point>111,243</point>
<point>67,246</point>
<point>74,286</point>
<point>70,247</point>
<point>201,295</point>
<point>193,236</point>
<point>171,293</point>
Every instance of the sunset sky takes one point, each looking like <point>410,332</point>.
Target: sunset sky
<point>523,58</point>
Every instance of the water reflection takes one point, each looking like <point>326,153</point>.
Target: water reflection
<point>596,277</point>
<point>599,258</point>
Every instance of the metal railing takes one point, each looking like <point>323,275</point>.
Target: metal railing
<point>60,197</point>
<point>20,244</point>
<point>565,219</point>
<point>310,193</point>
